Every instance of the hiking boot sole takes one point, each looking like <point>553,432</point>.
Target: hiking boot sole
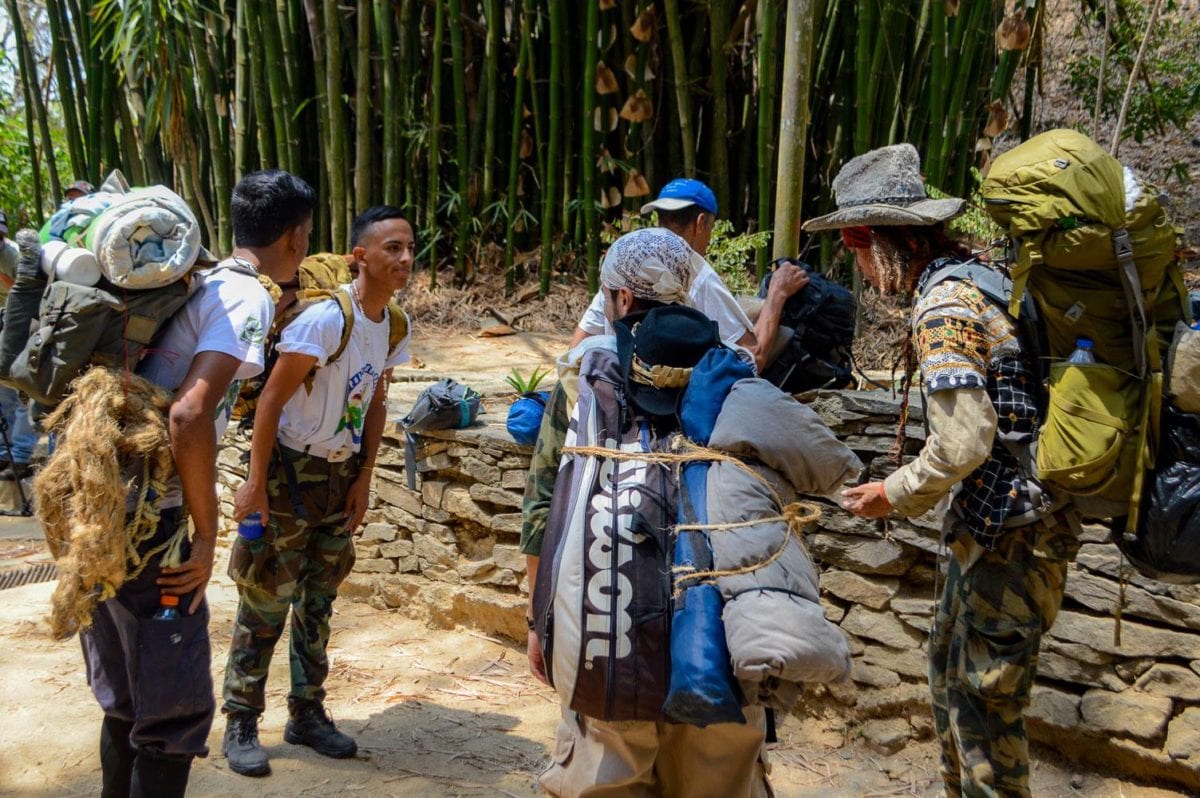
<point>256,771</point>
<point>295,738</point>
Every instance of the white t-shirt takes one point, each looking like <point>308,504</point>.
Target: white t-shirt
<point>332,415</point>
<point>230,313</point>
<point>9,254</point>
<point>708,295</point>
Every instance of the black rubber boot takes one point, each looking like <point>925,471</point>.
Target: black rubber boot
<point>241,747</point>
<point>159,777</point>
<point>311,725</point>
<point>116,758</point>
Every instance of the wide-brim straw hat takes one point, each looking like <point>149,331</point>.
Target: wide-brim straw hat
<point>884,188</point>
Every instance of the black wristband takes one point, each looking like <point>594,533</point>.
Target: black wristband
<point>529,622</point>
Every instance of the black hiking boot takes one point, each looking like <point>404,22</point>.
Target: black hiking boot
<point>311,725</point>
<point>241,747</point>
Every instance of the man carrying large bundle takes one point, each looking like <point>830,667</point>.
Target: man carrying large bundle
<point>1010,542</point>
<point>317,428</point>
<point>601,507</point>
<point>148,662</point>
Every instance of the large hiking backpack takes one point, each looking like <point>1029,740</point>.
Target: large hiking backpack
<point>818,355</point>
<point>602,601</point>
<point>1096,251</point>
<point>56,329</point>
<point>318,279</point>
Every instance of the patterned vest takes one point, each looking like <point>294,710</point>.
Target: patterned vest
<point>968,341</point>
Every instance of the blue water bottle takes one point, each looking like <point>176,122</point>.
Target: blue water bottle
<point>1083,352</point>
<point>168,608</point>
<point>251,527</point>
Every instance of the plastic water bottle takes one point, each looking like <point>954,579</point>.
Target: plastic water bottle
<point>1196,325</point>
<point>1083,352</point>
<point>251,527</point>
<point>168,609</point>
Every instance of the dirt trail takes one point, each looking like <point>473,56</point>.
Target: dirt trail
<point>436,712</point>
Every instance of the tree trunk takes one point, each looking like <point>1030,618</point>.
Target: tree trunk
<point>210,100</point>
<point>32,83</point>
<point>766,116</point>
<point>719,12</point>
<point>495,21</point>
<point>60,37</point>
<point>514,163</point>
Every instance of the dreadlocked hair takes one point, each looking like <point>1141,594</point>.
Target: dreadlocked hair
<point>113,422</point>
<point>894,250</point>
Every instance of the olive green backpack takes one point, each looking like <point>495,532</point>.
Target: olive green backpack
<point>1096,251</point>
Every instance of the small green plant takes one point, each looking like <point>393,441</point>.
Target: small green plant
<point>732,256</point>
<point>522,384</point>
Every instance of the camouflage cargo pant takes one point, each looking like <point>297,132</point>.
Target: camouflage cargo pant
<point>983,653</point>
<point>296,566</point>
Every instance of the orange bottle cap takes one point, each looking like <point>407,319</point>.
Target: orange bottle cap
<point>168,600</point>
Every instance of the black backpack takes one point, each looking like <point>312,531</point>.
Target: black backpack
<point>818,356</point>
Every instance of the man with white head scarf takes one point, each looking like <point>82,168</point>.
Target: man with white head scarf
<point>644,273</point>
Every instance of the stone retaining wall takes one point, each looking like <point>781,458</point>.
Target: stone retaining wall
<point>448,551</point>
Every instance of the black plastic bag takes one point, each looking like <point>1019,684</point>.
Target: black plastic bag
<point>1167,544</point>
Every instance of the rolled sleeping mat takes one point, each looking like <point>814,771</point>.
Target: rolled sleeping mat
<point>24,300</point>
<point>70,264</point>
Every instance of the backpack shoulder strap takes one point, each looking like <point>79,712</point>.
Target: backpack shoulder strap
<point>397,326</point>
<point>345,303</point>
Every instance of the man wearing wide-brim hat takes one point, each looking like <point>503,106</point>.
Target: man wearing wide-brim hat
<point>1010,542</point>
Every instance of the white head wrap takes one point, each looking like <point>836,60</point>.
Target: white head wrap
<point>653,263</point>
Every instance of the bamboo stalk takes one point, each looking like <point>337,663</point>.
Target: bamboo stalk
<point>313,16</point>
<point>495,21</point>
<point>29,75</point>
<point>550,176</point>
<point>514,163</point>
<point>28,92</point>
<point>766,107</point>
<point>385,25</point>
<point>588,154</point>
<point>462,226</point>
<point>405,170</point>
<point>363,127</point>
<point>683,101</point>
<point>268,30</point>
<point>217,149</point>
<point>793,126</point>
<point>1119,130</point>
<point>59,38</point>
<point>435,124</point>
<point>264,118</point>
<point>719,12</point>
<point>241,93</point>
<point>337,154</point>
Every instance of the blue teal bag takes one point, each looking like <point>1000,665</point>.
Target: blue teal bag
<point>525,416</point>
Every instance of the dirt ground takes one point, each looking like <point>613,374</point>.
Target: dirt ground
<point>436,712</point>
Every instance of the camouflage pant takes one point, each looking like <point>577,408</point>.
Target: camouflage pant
<point>983,652</point>
<point>304,554</point>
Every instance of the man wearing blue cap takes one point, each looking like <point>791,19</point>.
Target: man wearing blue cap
<point>688,208</point>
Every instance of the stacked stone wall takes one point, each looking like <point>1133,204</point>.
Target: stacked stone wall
<point>448,551</point>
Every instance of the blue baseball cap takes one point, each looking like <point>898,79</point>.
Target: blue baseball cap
<point>682,192</point>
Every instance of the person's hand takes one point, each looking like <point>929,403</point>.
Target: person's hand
<point>251,498</point>
<point>357,499</point>
<point>867,501</point>
<point>787,279</point>
<point>537,665</point>
<point>192,575</point>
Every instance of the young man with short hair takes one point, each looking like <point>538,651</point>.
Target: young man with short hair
<point>157,700</point>
<point>22,437</point>
<point>317,428</point>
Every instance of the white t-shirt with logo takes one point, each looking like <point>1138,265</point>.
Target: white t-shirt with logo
<point>230,313</point>
<point>708,294</point>
<point>332,415</point>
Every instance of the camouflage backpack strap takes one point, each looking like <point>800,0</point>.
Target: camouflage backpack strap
<point>397,326</point>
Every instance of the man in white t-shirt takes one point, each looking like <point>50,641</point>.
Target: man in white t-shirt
<point>317,429</point>
<point>688,208</point>
<point>152,676</point>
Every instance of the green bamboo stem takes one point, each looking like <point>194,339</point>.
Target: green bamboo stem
<point>495,22</point>
<point>719,12</point>
<point>210,100</point>
<point>284,142</point>
<point>264,118</point>
<point>284,17</point>
<point>337,154</point>
<point>793,126</point>
<point>405,171</point>
<point>766,108</point>
<point>514,165</point>
<point>683,101</point>
<point>938,90</point>
<point>462,226</point>
<point>241,92</point>
<point>550,176</point>
<point>27,93</point>
<point>363,119</point>
<point>59,37</point>
<point>588,155</point>
<point>385,26</point>
<point>435,125</point>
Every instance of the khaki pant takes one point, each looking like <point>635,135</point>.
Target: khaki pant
<point>640,758</point>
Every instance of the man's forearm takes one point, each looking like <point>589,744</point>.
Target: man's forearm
<point>194,447</point>
<point>373,426</point>
<point>767,327</point>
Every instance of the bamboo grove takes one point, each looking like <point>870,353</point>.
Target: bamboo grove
<point>527,124</point>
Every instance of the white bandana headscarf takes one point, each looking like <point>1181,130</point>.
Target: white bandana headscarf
<point>653,263</point>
